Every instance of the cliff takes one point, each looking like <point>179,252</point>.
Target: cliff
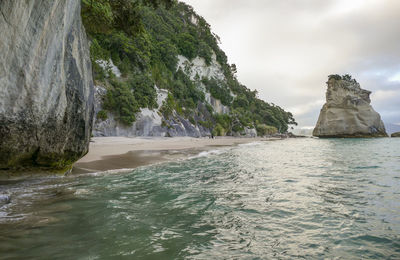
<point>347,111</point>
<point>152,122</point>
<point>46,93</point>
<point>162,73</point>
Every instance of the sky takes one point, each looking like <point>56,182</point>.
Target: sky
<point>286,49</point>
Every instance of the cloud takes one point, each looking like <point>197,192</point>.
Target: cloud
<point>286,49</point>
<point>304,109</point>
<point>395,78</point>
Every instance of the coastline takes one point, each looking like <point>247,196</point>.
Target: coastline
<point>121,153</point>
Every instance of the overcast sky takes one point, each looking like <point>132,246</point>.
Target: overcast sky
<point>286,49</point>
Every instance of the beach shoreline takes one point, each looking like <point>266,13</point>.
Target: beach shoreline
<point>119,153</point>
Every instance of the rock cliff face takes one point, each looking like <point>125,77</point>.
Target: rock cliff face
<point>148,122</point>
<point>397,134</point>
<point>46,89</point>
<point>152,122</point>
<point>347,112</point>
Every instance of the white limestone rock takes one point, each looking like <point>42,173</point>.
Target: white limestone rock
<point>151,122</point>
<point>148,122</point>
<point>347,112</point>
<point>198,68</point>
<point>46,88</point>
<point>109,66</point>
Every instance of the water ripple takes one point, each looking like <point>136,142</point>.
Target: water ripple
<point>293,199</point>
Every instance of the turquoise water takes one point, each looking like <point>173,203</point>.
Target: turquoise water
<point>297,198</point>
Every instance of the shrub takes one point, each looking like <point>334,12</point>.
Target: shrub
<point>263,130</point>
<point>102,115</point>
<point>168,106</point>
<point>335,76</point>
<point>240,101</point>
<point>97,52</point>
<point>97,16</point>
<point>187,45</point>
<point>206,124</point>
<point>205,52</point>
<point>120,100</point>
<point>142,87</point>
<point>210,109</point>
<point>218,89</point>
<point>218,130</point>
<point>167,53</point>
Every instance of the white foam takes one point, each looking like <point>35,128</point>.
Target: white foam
<point>82,192</point>
<point>207,153</point>
<point>124,170</point>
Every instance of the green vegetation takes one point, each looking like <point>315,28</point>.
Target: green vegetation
<point>347,77</point>
<point>218,89</point>
<point>168,106</point>
<point>263,130</point>
<point>121,102</point>
<point>143,38</point>
<point>102,115</point>
<point>219,130</point>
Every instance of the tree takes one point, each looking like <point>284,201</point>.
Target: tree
<point>121,101</point>
<point>187,45</point>
<point>347,77</point>
<point>233,69</point>
<point>263,129</point>
<point>335,76</point>
<point>218,130</point>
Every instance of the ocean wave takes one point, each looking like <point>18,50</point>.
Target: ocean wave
<point>208,153</point>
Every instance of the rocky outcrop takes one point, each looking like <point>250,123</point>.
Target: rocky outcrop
<point>198,69</point>
<point>148,122</point>
<point>152,122</point>
<point>46,92</point>
<point>397,134</point>
<point>347,111</point>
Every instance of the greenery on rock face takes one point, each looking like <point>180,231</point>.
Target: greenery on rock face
<point>102,115</point>
<point>143,38</point>
<point>122,102</point>
<point>263,130</point>
<point>346,77</point>
<point>219,90</point>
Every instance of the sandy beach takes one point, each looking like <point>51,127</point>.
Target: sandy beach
<point>112,153</point>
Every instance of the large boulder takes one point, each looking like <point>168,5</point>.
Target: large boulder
<point>46,88</point>
<point>347,111</point>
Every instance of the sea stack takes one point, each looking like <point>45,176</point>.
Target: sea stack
<point>347,112</point>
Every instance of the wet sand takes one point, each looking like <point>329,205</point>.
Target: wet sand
<point>113,153</point>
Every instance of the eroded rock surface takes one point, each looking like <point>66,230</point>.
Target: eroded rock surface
<point>46,89</point>
<point>347,112</point>
<point>397,134</point>
<point>149,122</point>
<point>153,123</point>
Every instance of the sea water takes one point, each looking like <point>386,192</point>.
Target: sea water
<point>297,198</point>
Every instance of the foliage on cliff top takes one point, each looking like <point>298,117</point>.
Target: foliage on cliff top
<point>145,38</point>
<point>346,77</point>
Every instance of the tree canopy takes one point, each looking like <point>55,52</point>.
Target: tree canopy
<point>143,38</point>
